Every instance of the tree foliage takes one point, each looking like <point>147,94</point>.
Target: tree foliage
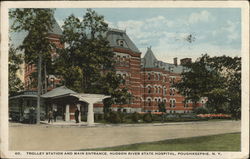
<point>37,23</point>
<point>86,63</point>
<point>87,51</point>
<point>15,60</point>
<point>218,78</point>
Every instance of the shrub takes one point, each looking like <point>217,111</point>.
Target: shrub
<point>157,117</point>
<point>135,117</point>
<point>114,117</point>
<point>147,118</point>
<point>99,117</point>
<point>200,110</point>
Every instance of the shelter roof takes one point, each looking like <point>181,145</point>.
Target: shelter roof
<point>59,91</point>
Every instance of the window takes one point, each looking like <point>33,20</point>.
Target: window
<point>164,91</point>
<point>124,76</point>
<point>155,89</point>
<point>164,79</point>
<point>149,89</point>
<point>118,57</point>
<point>172,103</point>
<point>149,76</point>
<point>159,89</point>
<point>172,80</point>
<point>149,102</point>
<point>185,104</point>
<point>155,101</point>
<point>172,91</point>
<point>120,42</point>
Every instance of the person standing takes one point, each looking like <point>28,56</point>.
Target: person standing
<point>77,115</point>
<point>54,114</point>
<point>50,116</point>
<point>32,115</point>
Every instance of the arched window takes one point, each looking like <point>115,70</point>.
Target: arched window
<point>149,89</point>
<point>170,91</point>
<point>172,103</point>
<point>159,100</point>
<point>164,91</point>
<point>155,101</point>
<point>149,76</point>
<point>149,102</point>
<point>124,76</point>
<point>159,89</point>
<point>155,90</point>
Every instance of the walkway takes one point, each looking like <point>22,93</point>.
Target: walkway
<point>75,137</point>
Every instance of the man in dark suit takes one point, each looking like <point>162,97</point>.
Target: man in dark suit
<point>77,115</point>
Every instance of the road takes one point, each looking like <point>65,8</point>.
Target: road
<point>65,138</point>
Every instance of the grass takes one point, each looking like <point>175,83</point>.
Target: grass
<point>223,142</point>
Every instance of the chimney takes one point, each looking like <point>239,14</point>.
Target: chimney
<point>185,61</point>
<point>175,61</point>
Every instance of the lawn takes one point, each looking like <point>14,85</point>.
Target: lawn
<point>223,142</point>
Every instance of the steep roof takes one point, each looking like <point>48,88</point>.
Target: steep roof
<point>150,61</point>
<point>59,91</point>
<point>56,29</point>
<point>114,35</point>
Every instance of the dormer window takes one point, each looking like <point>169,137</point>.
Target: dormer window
<point>120,42</point>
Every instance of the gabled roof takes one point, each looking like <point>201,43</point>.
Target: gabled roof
<point>113,35</point>
<point>149,59</point>
<point>59,91</point>
<point>56,29</point>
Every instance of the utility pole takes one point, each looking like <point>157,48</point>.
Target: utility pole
<point>39,88</point>
<point>45,78</point>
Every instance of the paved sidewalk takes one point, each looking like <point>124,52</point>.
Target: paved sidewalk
<point>75,137</point>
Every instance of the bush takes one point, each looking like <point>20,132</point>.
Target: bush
<point>115,117</point>
<point>99,117</point>
<point>147,118</point>
<point>157,117</point>
<point>201,110</point>
<point>135,117</point>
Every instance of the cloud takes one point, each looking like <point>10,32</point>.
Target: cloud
<point>203,16</point>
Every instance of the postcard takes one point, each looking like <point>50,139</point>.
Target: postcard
<point>125,79</point>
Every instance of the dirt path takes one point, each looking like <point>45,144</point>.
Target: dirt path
<point>42,138</point>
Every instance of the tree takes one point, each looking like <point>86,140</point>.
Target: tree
<point>162,109</point>
<point>217,78</point>
<point>15,60</point>
<point>36,45</point>
<point>87,52</point>
<point>87,63</point>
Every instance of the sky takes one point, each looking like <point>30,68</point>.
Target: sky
<point>215,31</point>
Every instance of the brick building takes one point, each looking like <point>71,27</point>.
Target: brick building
<point>148,79</point>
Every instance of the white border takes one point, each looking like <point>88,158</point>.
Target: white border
<point>121,4</point>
